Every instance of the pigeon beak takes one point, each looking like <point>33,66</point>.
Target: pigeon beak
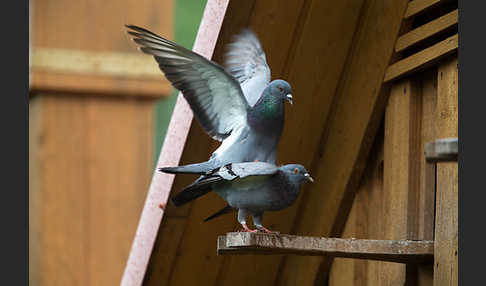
<point>308,176</point>
<point>289,98</point>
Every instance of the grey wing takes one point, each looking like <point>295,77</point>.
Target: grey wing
<point>246,169</point>
<point>246,61</point>
<point>214,95</point>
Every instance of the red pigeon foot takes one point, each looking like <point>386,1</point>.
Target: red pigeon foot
<point>246,229</point>
<point>266,230</point>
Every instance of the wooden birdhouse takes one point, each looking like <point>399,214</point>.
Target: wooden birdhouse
<point>375,121</point>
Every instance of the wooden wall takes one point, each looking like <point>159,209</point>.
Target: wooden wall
<point>334,114</point>
<point>91,136</point>
<point>349,77</point>
<point>396,197</point>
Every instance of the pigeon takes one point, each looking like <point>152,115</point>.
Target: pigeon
<point>240,108</point>
<point>249,187</point>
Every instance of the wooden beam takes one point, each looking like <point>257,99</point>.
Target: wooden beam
<point>170,155</point>
<point>404,251</point>
<point>422,59</point>
<point>446,215</point>
<point>426,31</point>
<point>45,81</point>
<point>442,150</point>
<point>130,65</point>
<point>416,7</point>
<point>75,48</point>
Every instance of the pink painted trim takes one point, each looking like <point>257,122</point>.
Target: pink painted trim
<point>170,155</point>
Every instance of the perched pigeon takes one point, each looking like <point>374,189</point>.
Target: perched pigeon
<point>250,187</point>
<point>248,132</point>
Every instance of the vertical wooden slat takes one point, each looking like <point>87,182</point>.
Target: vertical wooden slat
<point>92,154</point>
<point>427,173</point>
<point>92,160</point>
<point>446,216</point>
<point>59,202</point>
<point>375,216</point>
<point>35,202</point>
<point>120,145</point>
<point>395,177</point>
<point>424,219</point>
<point>400,176</point>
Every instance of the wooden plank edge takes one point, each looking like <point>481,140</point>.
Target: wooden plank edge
<point>42,81</point>
<point>427,30</point>
<point>422,59</point>
<point>170,155</point>
<point>402,251</point>
<point>130,65</point>
<point>442,150</point>
<point>416,7</point>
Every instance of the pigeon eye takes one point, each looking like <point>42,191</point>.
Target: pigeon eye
<point>296,171</point>
<point>280,88</point>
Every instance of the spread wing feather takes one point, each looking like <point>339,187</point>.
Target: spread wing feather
<point>214,95</point>
<point>246,61</point>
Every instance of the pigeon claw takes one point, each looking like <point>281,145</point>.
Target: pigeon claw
<point>246,229</point>
<point>265,230</point>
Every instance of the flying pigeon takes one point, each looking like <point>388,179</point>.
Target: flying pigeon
<point>241,108</point>
<point>249,187</point>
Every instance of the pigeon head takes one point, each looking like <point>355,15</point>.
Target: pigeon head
<point>297,173</point>
<point>281,89</point>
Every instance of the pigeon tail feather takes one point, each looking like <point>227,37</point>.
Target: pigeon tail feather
<point>225,210</point>
<point>195,190</point>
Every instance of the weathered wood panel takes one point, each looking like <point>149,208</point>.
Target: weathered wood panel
<point>364,221</point>
<point>423,59</point>
<point>58,232</point>
<point>92,154</point>
<point>410,123</point>
<point>398,180</point>
<point>91,176</point>
<point>446,215</point>
<point>416,7</point>
<point>427,30</point>
<point>84,26</point>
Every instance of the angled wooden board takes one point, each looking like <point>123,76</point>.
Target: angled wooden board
<point>170,155</point>
<point>356,112</point>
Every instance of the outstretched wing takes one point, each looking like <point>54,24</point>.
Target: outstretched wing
<point>214,95</point>
<point>246,61</point>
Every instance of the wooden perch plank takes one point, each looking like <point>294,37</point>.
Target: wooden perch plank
<point>42,81</point>
<point>405,251</point>
<point>419,6</point>
<point>422,59</point>
<point>426,31</point>
<point>442,150</point>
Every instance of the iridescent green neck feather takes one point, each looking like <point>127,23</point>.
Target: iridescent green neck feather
<point>268,113</point>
